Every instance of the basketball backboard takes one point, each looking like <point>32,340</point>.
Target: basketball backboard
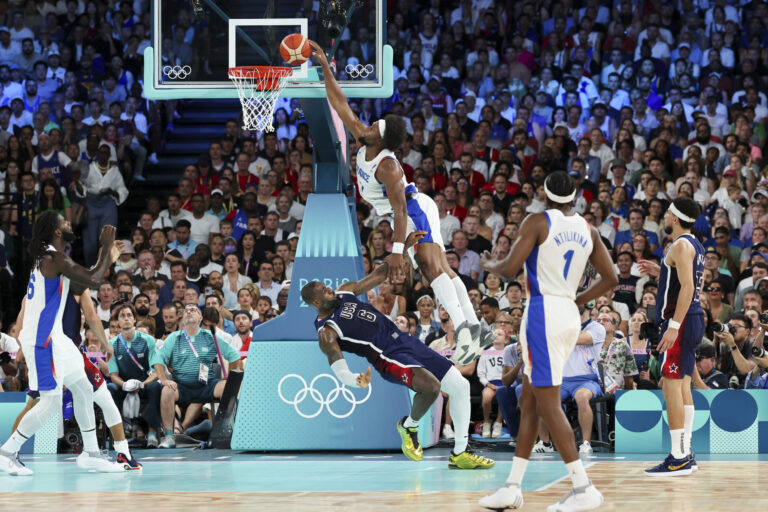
<point>195,42</point>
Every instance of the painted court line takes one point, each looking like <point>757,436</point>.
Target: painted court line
<point>557,481</point>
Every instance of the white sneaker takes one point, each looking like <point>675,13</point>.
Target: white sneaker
<point>496,432</point>
<point>508,496</point>
<point>151,441</point>
<point>448,432</point>
<point>585,448</point>
<point>11,464</point>
<point>583,498</point>
<point>467,349</point>
<point>168,441</point>
<point>487,429</point>
<point>540,447</point>
<point>98,461</point>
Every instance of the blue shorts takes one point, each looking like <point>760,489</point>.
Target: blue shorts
<point>572,384</point>
<point>679,361</point>
<point>397,365</point>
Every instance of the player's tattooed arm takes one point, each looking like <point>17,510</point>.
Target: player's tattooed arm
<point>525,243</point>
<point>329,344</point>
<point>390,175</point>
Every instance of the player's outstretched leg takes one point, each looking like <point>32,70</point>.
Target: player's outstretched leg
<point>30,423</point>
<point>114,421</point>
<point>457,388</point>
<point>427,389</point>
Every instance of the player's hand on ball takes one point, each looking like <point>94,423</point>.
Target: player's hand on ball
<point>318,53</point>
<point>364,379</point>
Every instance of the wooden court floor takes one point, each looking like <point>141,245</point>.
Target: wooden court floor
<point>718,486</point>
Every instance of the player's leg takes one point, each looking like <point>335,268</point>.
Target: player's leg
<point>103,398</point>
<point>689,413</point>
<point>582,398</point>
<point>427,388</point>
<point>31,402</point>
<point>30,423</point>
<point>461,292</point>
<point>694,331</point>
<point>486,400</point>
<point>168,399</point>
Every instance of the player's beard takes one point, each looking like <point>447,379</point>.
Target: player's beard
<point>331,305</point>
<point>668,230</point>
<point>363,140</point>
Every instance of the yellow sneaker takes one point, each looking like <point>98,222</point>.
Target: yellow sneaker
<point>411,446</point>
<point>469,460</point>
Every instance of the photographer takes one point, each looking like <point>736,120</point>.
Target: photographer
<point>648,367</point>
<point>735,347</point>
<point>616,356</point>
<point>707,375</point>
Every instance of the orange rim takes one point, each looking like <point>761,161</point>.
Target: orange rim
<point>266,77</point>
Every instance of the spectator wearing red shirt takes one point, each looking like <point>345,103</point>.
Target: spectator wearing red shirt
<point>476,180</point>
<point>437,181</point>
<point>242,174</point>
<point>186,188</point>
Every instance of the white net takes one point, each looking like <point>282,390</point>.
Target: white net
<point>258,88</point>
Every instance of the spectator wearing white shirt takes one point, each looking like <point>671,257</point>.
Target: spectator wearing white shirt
<point>104,191</point>
<point>267,287</point>
<point>8,368</point>
<point>489,369</point>
<point>96,115</point>
<point>203,224</point>
<point>19,31</point>
<point>727,57</point>
<point>448,223</point>
<point>104,297</point>
<point>659,48</point>
<point>19,115</point>
<point>170,216</point>
<point>9,49</point>
<point>139,122</point>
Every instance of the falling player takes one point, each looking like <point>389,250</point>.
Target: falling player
<point>346,324</point>
<point>554,246</point>
<point>52,358</point>
<point>681,317</point>
<point>382,183</point>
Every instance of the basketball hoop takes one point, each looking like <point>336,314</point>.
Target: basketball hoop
<point>258,88</point>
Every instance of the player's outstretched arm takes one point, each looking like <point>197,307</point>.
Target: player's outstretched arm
<point>601,260</point>
<point>329,344</point>
<point>94,277</point>
<point>336,95</point>
<point>390,175</point>
<point>525,243</point>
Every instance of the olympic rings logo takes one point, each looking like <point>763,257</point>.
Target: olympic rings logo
<point>177,72</point>
<point>338,390</point>
<point>359,70</point>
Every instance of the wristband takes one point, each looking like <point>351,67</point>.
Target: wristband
<point>734,348</point>
<point>673,325</point>
<point>397,248</point>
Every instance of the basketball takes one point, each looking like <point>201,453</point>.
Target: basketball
<point>295,49</point>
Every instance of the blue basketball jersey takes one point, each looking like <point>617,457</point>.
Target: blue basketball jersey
<point>669,283</point>
<point>362,329</point>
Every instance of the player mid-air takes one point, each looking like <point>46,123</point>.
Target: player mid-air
<point>52,359</point>
<point>346,324</point>
<point>681,317</point>
<point>382,183</point>
<point>555,247</point>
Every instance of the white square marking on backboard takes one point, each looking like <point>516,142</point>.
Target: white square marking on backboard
<point>303,23</point>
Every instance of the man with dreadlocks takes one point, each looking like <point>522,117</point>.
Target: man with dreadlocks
<point>555,247</point>
<point>52,358</point>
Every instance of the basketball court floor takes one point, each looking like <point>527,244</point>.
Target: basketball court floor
<point>219,480</point>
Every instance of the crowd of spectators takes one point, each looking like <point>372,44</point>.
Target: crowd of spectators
<point>640,102</point>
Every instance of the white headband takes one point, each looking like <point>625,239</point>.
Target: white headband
<point>680,215</point>
<point>423,297</point>
<point>382,127</point>
<point>559,199</point>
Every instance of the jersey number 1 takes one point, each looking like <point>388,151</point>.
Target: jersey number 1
<point>568,256</point>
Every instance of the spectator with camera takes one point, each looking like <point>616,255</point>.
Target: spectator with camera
<point>616,355</point>
<point>191,353</point>
<point>707,376</point>
<point>731,338</point>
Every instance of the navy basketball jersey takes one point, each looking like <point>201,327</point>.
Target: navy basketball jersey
<point>362,329</point>
<point>669,283</point>
<point>70,320</point>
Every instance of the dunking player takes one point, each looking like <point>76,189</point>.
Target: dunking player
<point>52,358</point>
<point>555,246</point>
<point>382,183</point>
<point>101,395</point>
<point>681,317</point>
<point>346,324</point>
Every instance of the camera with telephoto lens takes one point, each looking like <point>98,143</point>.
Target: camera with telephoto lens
<point>650,331</point>
<point>764,318</point>
<point>759,351</point>
<point>333,15</point>
<point>5,358</point>
<point>722,328</point>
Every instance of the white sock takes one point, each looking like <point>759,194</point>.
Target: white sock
<point>122,447</point>
<point>676,436</point>
<point>457,388</point>
<point>90,443</point>
<point>410,422</point>
<point>14,443</point>
<point>446,294</point>
<point>690,411</point>
<point>578,474</point>
<point>49,404</point>
<point>518,471</point>
<point>466,304</point>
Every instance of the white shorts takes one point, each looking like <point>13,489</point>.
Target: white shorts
<point>548,334</point>
<point>423,216</point>
<point>53,365</point>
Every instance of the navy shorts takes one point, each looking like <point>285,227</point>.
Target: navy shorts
<point>680,360</point>
<point>197,392</point>
<point>397,365</point>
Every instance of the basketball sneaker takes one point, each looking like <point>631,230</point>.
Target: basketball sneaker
<point>469,460</point>
<point>169,441</point>
<point>410,436</point>
<point>98,461</point>
<point>671,467</point>
<point>11,464</point>
<point>694,466</point>
<point>540,447</point>
<point>128,464</point>
<point>585,448</point>
<point>467,349</point>
<point>579,498</point>
<point>509,495</point>
<point>448,432</point>
<point>487,429</point>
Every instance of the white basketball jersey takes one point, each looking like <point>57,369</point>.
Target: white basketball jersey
<point>373,191</point>
<point>46,299</point>
<point>555,267</point>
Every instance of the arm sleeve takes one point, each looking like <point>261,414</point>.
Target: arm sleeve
<point>341,370</point>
